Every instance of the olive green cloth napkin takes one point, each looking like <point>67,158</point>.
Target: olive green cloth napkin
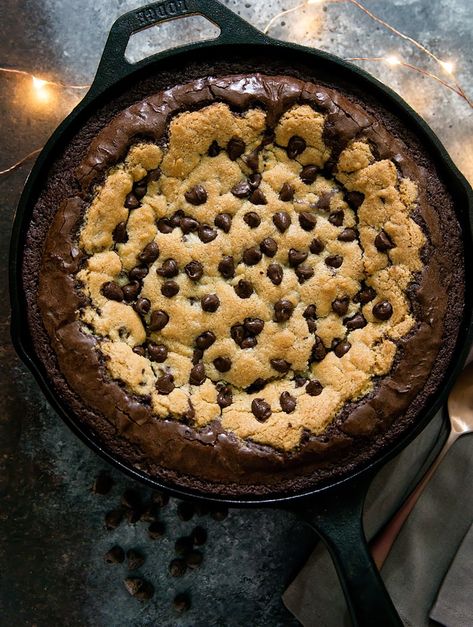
<point>423,552</point>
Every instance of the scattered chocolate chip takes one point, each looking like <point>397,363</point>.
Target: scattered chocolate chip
<point>206,233</point>
<point>269,247</point>
<point>287,192</point>
<point>120,236</point>
<point>242,189</point>
<point>295,146</point>
<point>153,175</point>
<point>131,201</point>
<point>160,498</point>
<point>336,218</point>
<point>138,273</point>
<point>254,180</point>
<point>135,559</point>
<point>249,342</point>
<point>131,291</point>
<point>181,603</point>
<point>196,195</point>
<point>287,402</point>
<point>334,261</point>
<point>177,218</point>
<point>243,289</point>
<point>383,242</point>
<point>365,295</point>
<point>347,235</point>
<point>169,289</point>
<point>257,197</point>
<point>252,256</point>
<point>177,567</point>
<point>194,270</point>
<point>156,530</point>
<point>299,381</point>
<point>304,273</point>
<point>252,219</point>
<point>316,246</point>
<point>296,257</point>
<point>165,384</point>
<point>197,374</point>
<point>116,555</point>
<point>210,302</point>
<point>194,559</point>
<point>188,224</point>
<point>355,322</point>
<point>158,320</point>
<point>113,518</point>
<point>308,174</point>
<point>252,160</point>
<point>205,339</point>
<point>183,545</point>
<point>223,221</point>
<point>318,350</point>
<point>307,220</point>
<point>185,510</point>
<point>225,397</point>
<point>214,149</point>
<point>199,535</point>
<point>139,350</point>
<point>340,305</point>
<point>323,203</point>
<point>142,306</point>
<point>257,385</point>
<point>314,388</point>
<point>238,334</point>
<point>261,409</point>
<point>341,348</point>
<point>310,312</point>
<point>280,365</point>
<point>164,225</point>
<point>282,220</point>
<point>253,325</point>
<point>354,199</point>
<point>139,588</point>
<point>131,499</point>
<point>283,310</point>
<point>235,148</point>
<point>383,310</point>
<point>219,512</point>
<point>140,189</point>
<point>222,364</point>
<point>102,484</point>
<point>157,352</point>
<point>275,273</point>
<point>150,253</point>
<point>112,291</point>
<point>226,267</point>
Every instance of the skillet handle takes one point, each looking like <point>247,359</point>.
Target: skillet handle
<point>113,65</point>
<point>337,519</point>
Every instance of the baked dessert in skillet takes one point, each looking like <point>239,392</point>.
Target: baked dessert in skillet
<point>250,284</point>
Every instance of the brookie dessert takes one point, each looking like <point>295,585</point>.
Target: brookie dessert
<point>248,282</point>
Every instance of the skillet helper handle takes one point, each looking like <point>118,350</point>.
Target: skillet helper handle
<point>233,30</point>
<point>338,521</point>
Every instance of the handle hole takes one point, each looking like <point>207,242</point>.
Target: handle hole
<point>168,35</point>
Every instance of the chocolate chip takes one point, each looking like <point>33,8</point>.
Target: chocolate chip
<point>219,512</point>
<point>282,221</point>
<point>307,220</point>
<point>252,219</point>
<point>249,342</point>
<point>226,267</point>
<point>299,381</point>
<point>243,288</point>
<point>169,269</point>
<point>254,180</point>
<point>341,348</point>
<point>102,484</point>
<point>139,350</point>
<point>169,289</point>
<point>287,402</point>
<point>354,199</point>
<point>310,312</point>
<point>283,310</point>
<point>177,567</point>
<point>156,530</point>
<point>336,218</point>
<point>304,273</point>
<point>210,302</point>
<point>139,588</point>
<point>131,499</point>
<point>131,291</point>
<point>131,201</point>
<point>280,365</point>
<point>157,352</point>
<point>347,235</point>
<point>165,384</point>
<point>269,247</point>
<point>199,535</point>
<point>383,310</point>
<point>113,518</point>
<point>138,273</point>
<point>225,397</point>
<point>340,305</point>
<point>181,603</point>
<point>197,374</point>
<point>238,333</point>
<point>334,261</point>
<point>194,270</point>
<point>287,192</point>
<point>295,146</point>
<point>116,555</point>
<point>252,256</point>
<point>188,225</point>
<point>113,291</point>
<point>253,325</point>
<point>316,246</point>
<point>194,559</point>
<point>158,320</point>
<point>197,355</point>
<point>318,349</point>
<point>135,559</point>
<point>383,242</point>
<point>222,364</point>
<point>206,233</point>
<point>241,189</point>
<point>257,385</point>
<point>257,197</point>
<point>308,174</point>
<point>142,306</point>
<point>153,175</point>
<point>185,510</point>
<point>296,257</point>
<point>235,148</point>
<point>205,340</point>
<point>214,149</point>
<point>355,322</point>
<point>196,195</point>
<point>120,236</point>
<point>323,201</point>
<point>314,388</point>
<point>275,273</point>
<point>164,225</point>
<point>261,409</point>
<point>177,218</point>
<point>223,221</point>
<point>183,545</point>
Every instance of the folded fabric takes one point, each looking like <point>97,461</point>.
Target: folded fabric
<point>425,547</point>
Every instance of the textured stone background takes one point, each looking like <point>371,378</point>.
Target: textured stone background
<point>52,537</point>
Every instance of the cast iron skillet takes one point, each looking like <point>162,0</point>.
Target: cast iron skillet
<point>335,510</point>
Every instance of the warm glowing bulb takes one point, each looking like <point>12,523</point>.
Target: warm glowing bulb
<point>38,83</point>
<point>40,92</point>
<point>447,66</point>
<point>392,60</point>
<point>314,1</point>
